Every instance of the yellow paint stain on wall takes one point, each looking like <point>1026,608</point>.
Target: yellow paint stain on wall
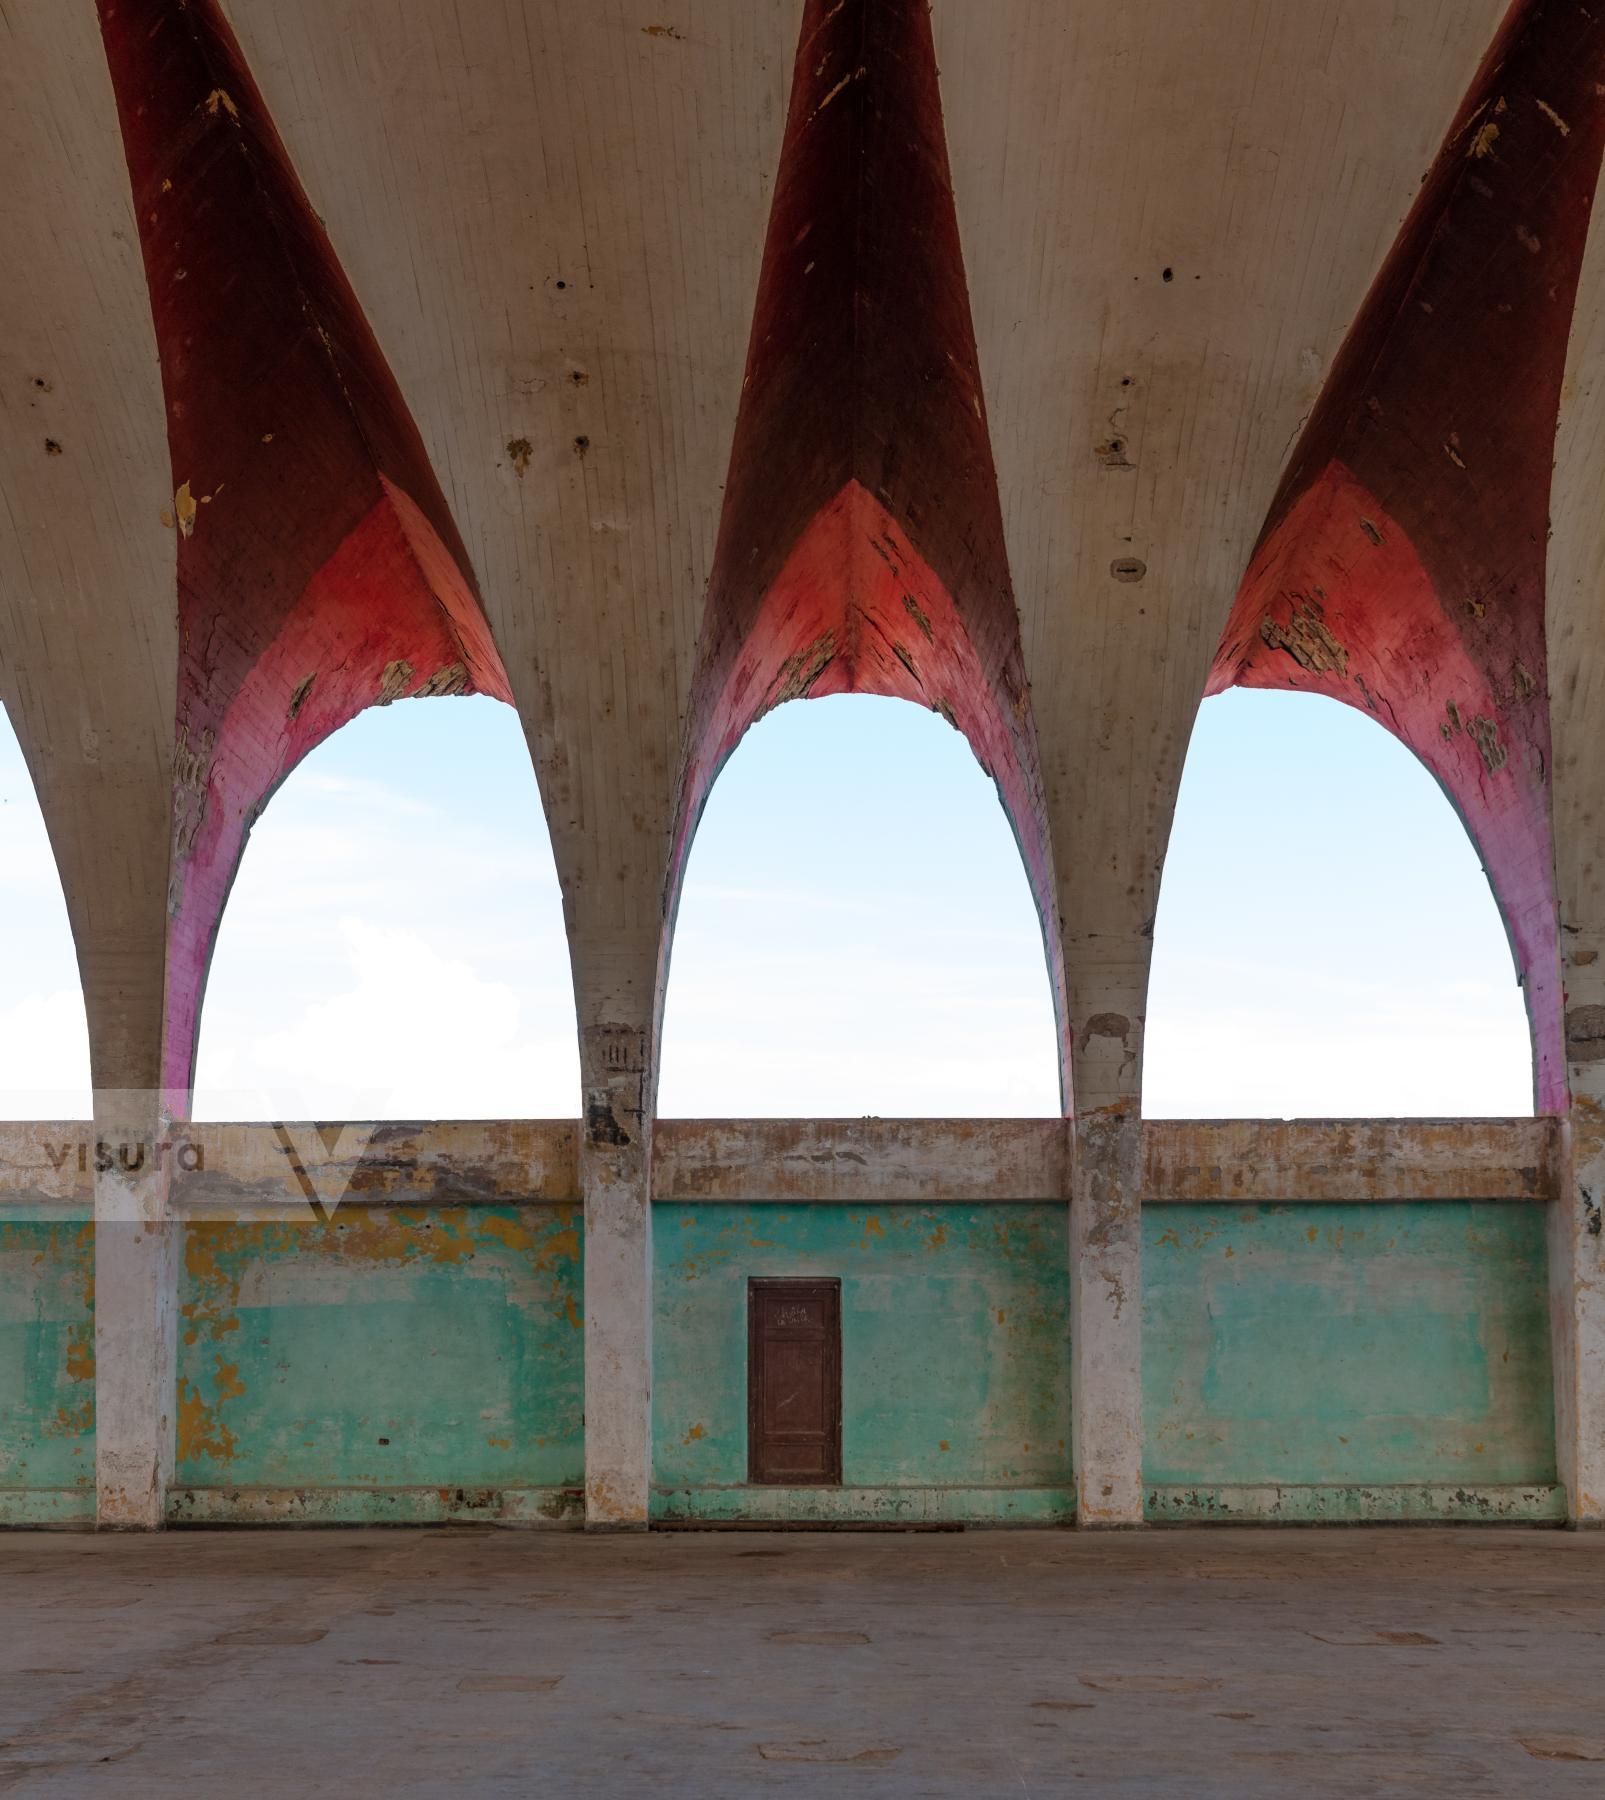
<point>573,1312</point>
<point>563,1244</point>
<point>500,1443</point>
<point>695,1434</point>
<point>80,1358</point>
<point>200,1432</point>
<point>514,1233</point>
<point>71,1421</point>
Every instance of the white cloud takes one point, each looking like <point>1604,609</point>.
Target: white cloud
<point>44,1057</point>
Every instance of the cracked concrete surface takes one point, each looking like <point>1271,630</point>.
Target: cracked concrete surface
<point>1220,1662</point>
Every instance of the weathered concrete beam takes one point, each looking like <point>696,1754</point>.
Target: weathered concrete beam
<point>1348,1160</point>
<point>266,1169</point>
<point>883,1161</point>
<point>286,1168</point>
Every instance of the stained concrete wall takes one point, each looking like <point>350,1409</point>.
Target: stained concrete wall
<point>1340,1319</point>
<point>47,1371</point>
<point>393,1363</point>
<point>1331,1361</point>
<point>955,1358</point>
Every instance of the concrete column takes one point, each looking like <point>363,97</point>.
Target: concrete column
<point>137,1249</point>
<point>1106,1236</point>
<point>1106,1316</point>
<point>1577,1244</point>
<point>618,1068</point>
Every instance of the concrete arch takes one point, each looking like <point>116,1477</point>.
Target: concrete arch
<point>857,934</point>
<point>1327,944</point>
<point>44,1039</point>
<point>394,946</point>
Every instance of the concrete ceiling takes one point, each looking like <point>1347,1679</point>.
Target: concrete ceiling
<point>1043,361</point>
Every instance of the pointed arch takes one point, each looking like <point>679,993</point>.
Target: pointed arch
<point>861,548</point>
<point>1402,566</point>
<point>394,944</point>
<point>857,933</point>
<point>319,569</point>
<point>1327,942</point>
<point>44,1035</point>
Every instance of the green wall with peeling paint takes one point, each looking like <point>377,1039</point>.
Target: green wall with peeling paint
<point>955,1358</point>
<point>390,1349</point>
<point>47,1371</point>
<point>1345,1348</point>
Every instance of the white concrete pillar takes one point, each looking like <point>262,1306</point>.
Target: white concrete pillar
<point>1577,1247</point>
<point>1106,1238</point>
<point>615,1181</point>
<point>1106,1316</point>
<point>137,1250</point>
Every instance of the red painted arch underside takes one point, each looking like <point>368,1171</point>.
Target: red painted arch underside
<point>1339,602</point>
<point>319,569</point>
<point>861,548</point>
<point>855,609</point>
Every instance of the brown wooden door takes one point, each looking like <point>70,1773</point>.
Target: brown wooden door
<point>794,1383</point>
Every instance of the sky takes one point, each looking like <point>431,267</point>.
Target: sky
<point>856,934</point>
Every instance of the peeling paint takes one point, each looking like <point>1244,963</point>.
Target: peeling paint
<point>454,678</point>
<point>1553,117</point>
<point>393,681</point>
<point>47,1368</point>
<point>1307,640</point>
<point>1402,1344</point>
<point>954,1344</point>
<point>384,1349</point>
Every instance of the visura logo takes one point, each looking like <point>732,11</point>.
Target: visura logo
<point>129,1156</point>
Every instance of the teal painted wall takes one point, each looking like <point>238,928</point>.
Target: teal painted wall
<point>47,1368</point>
<point>955,1352</point>
<point>1347,1345</point>
<point>388,1348</point>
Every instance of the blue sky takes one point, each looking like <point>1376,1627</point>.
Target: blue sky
<point>856,935</point>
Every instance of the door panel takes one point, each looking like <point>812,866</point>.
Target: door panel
<point>794,1383</point>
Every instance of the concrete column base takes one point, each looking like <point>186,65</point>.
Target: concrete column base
<point>1577,1312</point>
<point>1106,1317</point>
<point>137,1257</point>
<point>616,1183</point>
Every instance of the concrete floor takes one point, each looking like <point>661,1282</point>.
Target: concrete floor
<point>1209,1662</point>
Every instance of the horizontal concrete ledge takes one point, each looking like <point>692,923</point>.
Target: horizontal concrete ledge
<point>539,1506</point>
<point>1437,1503</point>
<point>884,1160</point>
<point>1350,1159</point>
<point>298,1170</point>
<point>863,1505</point>
<point>35,1507</point>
